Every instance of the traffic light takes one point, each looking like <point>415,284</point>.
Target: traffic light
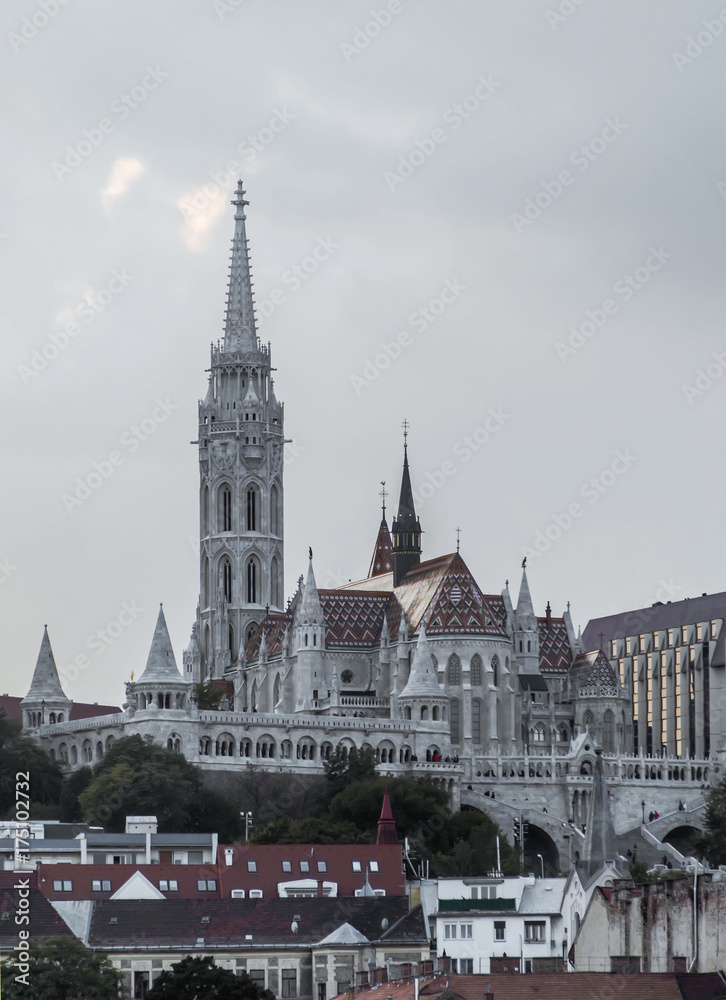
<point>516,827</point>
<point>525,830</point>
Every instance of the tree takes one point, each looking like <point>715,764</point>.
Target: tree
<point>137,777</point>
<point>197,978</point>
<point>713,842</point>
<point>23,754</point>
<point>61,969</point>
<point>207,696</point>
<point>418,806</point>
<point>342,769</point>
<point>313,830</point>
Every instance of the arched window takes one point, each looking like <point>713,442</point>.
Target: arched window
<point>453,670</point>
<point>274,511</point>
<point>455,720</point>
<point>476,669</point>
<point>608,732</point>
<point>226,567</point>
<point>251,629</point>
<point>225,508</point>
<point>495,671</point>
<point>253,581</point>
<point>275,595</point>
<point>205,582</point>
<point>589,719</point>
<point>276,692</point>
<point>476,720</point>
<point>205,512</point>
<point>230,639</point>
<point>251,506</point>
<point>539,733</point>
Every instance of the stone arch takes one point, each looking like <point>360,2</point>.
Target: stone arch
<point>99,750</point>
<point>174,742</point>
<point>73,754</point>
<point>274,510</point>
<point>110,740</point>
<point>386,752</point>
<point>608,732</point>
<point>495,670</point>
<point>265,746</point>
<point>224,745</point>
<point>306,748</point>
<point>87,751</point>
<point>245,747</point>
<point>275,587</point>
<point>253,580</point>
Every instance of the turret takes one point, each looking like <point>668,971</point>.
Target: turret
<point>526,630</point>
<point>406,528</point>
<point>46,702</point>
<point>161,685</point>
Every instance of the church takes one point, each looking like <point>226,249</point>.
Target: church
<point>443,679</point>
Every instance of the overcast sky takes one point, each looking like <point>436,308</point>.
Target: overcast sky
<point>556,169</point>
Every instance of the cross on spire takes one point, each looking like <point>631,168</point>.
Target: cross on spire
<point>383,494</point>
<point>458,539</point>
<point>405,426</point>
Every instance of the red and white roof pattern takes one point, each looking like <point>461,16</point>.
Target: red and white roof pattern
<point>555,653</point>
<point>594,669</point>
<point>442,592</point>
<point>382,561</point>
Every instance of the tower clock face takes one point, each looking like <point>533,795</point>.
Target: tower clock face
<point>347,676</point>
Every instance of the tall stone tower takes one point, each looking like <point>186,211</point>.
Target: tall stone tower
<point>241,493</point>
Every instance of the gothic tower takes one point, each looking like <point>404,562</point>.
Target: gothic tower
<point>406,528</point>
<point>241,494</point>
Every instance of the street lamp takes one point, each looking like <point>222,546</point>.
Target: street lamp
<point>541,861</point>
<point>642,806</point>
<point>247,816</point>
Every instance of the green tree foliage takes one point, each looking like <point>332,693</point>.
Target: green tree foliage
<point>313,830</point>
<point>73,785</point>
<point>343,770</point>
<point>62,969</point>
<point>712,844</point>
<point>414,803</point>
<point>137,777</point>
<point>200,979</point>
<point>207,696</point>
<point>21,753</point>
<point>467,845</point>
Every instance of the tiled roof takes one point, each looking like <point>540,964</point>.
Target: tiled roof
<point>382,560</point>
<point>274,627</point>
<point>593,669</point>
<point>44,921</point>
<point>537,986</point>
<point>336,858</point>
<point>353,619</point>
<point>82,877</point>
<point>555,653</point>
<point>229,921</point>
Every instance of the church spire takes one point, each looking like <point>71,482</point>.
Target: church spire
<point>382,561</point>
<point>46,700</point>
<point>406,526</point>
<point>240,333</point>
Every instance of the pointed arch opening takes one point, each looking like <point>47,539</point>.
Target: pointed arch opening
<point>252,508</point>
<point>495,671</point>
<point>252,581</point>
<point>224,507</point>
<point>226,578</point>
<point>475,669</point>
<point>453,670</point>
<point>274,510</point>
<point>275,588</point>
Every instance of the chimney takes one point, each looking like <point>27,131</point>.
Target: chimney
<point>320,889</point>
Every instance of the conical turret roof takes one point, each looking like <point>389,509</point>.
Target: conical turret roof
<point>161,664</point>
<point>46,685</point>
<point>422,681</point>
<point>525,616</point>
<point>309,610</point>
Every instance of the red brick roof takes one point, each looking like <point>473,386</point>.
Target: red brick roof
<point>44,921</point>
<point>555,653</point>
<point>267,858</point>
<point>79,710</point>
<point>538,986</point>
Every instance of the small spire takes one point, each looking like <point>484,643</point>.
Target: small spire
<point>458,539</point>
<point>386,824</point>
<point>383,494</point>
<point>525,608</point>
<point>406,528</point>
<point>240,331</point>
<point>309,610</point>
